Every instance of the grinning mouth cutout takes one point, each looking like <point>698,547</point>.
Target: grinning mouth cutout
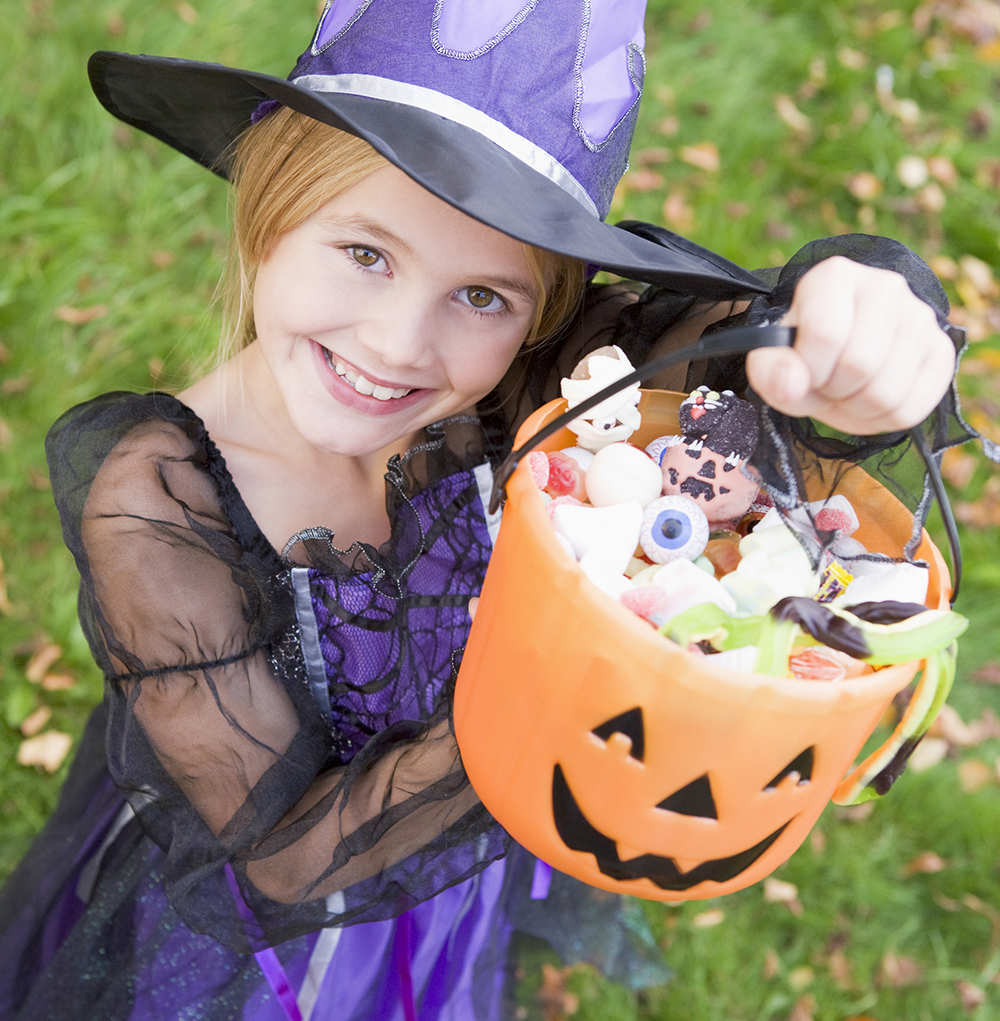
<point>579,834</point>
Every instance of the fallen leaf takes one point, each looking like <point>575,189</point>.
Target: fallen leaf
<point>669,126</point>
<point>913,171</point>
<point>943,170</point>
<point>864,186</point>
<point>817,841</point>
<point>971,995</point>
<point>186,12</point>
<point>37,479</point>
<point>704,156</point>
<point>41,660</point>
<point>927,754</point>
<point>958,466</point>
<point>708,919</point>
<point>851,58</point>
<point>4,353</point>
<point>973,775</point>
<point>654,154</point>
<point>58,682</point>
<point>856,813</point>
<point>79,316</point>
<point>925,862</point>
<point>772,964</point>
<point>678,213</point>
<point>162,259</point>
<point>34,723</point>
<point>944,267</point>
<point>17,385</point>
<point>988,673</point>
<point>791,114</point>
<point>803,1009</point>
<point>931,199</point>
<point>45,750</point>
<point>777,891</point>
<point>643,179</point>
<point>799,978</point>
<point>557,1002</point>
<point>899,971</point>
<point>840,969</point>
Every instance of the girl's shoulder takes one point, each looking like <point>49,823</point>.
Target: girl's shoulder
<point>143,455</point>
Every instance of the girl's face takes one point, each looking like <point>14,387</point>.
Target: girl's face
<point>387,310</point>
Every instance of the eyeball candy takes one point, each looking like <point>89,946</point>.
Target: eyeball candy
<point>673,527</point>
<point>620,473</point>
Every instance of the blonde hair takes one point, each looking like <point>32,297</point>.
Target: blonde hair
<point>284,168</point>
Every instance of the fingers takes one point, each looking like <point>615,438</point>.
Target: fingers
<point>869,356</point>
<point>473,606</point>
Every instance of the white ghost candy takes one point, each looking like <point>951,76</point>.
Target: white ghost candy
<point>603,572</point>
<point>774,566</point>
<point>901,583</point>
<point>614,419</point>
<point>613,531</point>
<point>619,473</point>
<point>687,585</point>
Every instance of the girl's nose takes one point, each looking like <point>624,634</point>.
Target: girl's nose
<point>401,333</point>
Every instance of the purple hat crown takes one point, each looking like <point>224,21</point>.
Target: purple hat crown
<point>556,83</point>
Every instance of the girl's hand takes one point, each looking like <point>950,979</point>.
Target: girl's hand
<point>869,356</point>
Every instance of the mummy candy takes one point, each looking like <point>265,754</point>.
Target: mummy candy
<point>613,420</point>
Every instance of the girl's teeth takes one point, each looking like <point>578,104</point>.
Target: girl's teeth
<point>364,386</point>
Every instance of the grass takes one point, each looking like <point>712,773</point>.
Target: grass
<point>110,245</point>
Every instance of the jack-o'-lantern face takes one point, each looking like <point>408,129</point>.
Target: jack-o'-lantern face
<point>694,800</point>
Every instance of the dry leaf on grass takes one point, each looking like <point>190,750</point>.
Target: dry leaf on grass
<point>46,751</point>
<point>708,919</point>
<point>777,891</point>
<point>58,682</point>
<point>925,863</point>
<point>79,316</point>
<point>988,673</point>
<point>34,723</point>
<point>971,995</point>
<point>803,1009</point>
<point>974,775</point>
<point>556,1001</point>
<point>5,604</point>
<point>704,156</point>
<point>927,754</point>
<point>772,964</point>
<point>898,971</point>
<point>42,658</point>
<point>840,969</point>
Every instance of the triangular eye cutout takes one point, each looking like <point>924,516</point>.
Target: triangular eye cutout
<point>629,724</point>
<point>694,799</point>
<point>801,764</point>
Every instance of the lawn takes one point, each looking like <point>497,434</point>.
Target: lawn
<point>764,125</point>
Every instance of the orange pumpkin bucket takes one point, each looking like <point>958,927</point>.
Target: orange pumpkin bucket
<point>620,758</point>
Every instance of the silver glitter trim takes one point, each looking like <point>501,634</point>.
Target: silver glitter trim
<point>317,50</point>
<point>374,87</point>
<point>311,652</point>
<point>633,52</point>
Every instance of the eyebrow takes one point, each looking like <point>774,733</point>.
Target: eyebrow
<point>380,233</point>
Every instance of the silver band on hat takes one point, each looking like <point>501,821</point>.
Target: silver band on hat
<point>453,109</point>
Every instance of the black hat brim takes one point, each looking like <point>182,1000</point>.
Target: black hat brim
<point>200,109</point>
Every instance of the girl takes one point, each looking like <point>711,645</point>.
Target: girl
<point>268,817</point>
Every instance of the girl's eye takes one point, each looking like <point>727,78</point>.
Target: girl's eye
<point>482,299</point>
<point>365,256</point>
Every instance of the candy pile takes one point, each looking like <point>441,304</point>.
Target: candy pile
<point>682,535</point>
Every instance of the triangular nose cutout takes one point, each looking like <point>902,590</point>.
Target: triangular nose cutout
<point>694,799</point>
<point>629,724</point>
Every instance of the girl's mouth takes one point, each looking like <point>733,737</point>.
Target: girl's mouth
<point>361,385</point>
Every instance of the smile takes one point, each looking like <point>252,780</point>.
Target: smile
<point>579,834</point>
<point>362,385</point>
